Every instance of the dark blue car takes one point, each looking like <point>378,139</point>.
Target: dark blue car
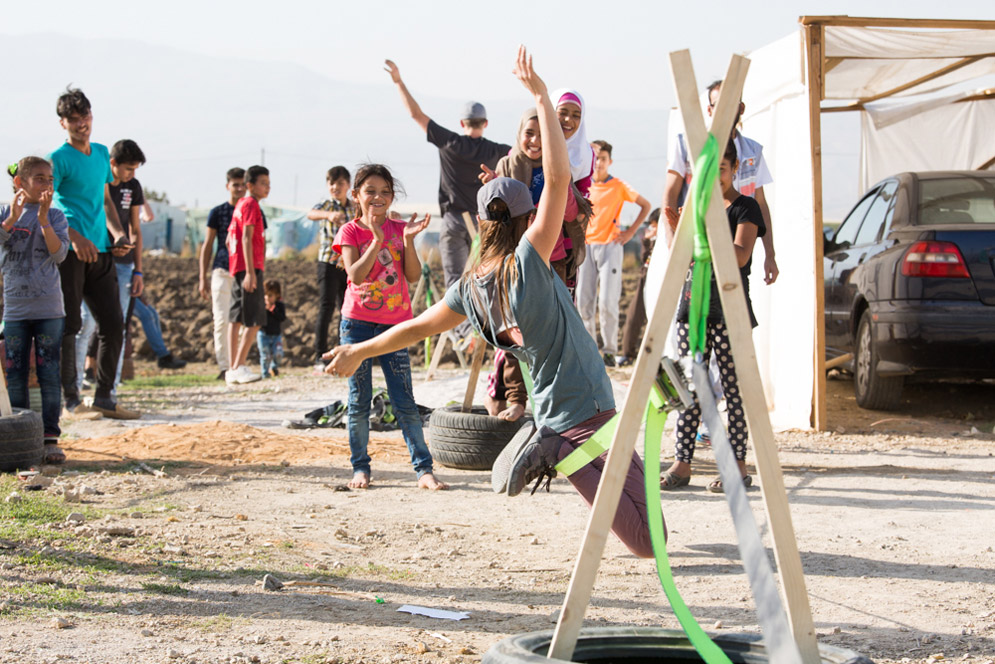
<point>910,283</point>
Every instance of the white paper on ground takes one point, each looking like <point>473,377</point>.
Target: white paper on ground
<point>434,613</point>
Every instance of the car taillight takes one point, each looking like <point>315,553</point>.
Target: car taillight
<point>934,259</point>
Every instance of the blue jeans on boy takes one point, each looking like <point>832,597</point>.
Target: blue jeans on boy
<point>270,351</point>
<point>396,369</point>
<point>47,337</point>
<point>149,318</point>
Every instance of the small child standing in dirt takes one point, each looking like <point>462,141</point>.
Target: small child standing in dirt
<point>34,239</point>
<point>379,256</point>
<point>269,339</point>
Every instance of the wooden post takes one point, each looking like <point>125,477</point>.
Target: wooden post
<point>5,409</point>
<point>814,59</point>
<point>647,362</point>
<point>471,384</point>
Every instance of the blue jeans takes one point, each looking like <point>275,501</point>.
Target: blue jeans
<point>149,319</point>
<point>270,351</point>
<point>396,369</point>
<point>47,337</point>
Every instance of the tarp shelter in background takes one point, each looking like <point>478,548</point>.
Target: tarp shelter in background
<point>167,229</point>
<point>900,74</point>
<point>287,229</point>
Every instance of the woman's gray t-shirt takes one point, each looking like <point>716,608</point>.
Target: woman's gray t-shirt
<point>568,374</point>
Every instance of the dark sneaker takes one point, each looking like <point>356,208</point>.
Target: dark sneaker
<point>167,361</point>
<point>609,360</point>
<point>115,411</point>
<point>535,461</point>
<point>276,372</point>
<point>221,375</point>
<point>502,465</point>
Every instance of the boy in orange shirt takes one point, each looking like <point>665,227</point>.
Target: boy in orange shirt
<point>605,241</point>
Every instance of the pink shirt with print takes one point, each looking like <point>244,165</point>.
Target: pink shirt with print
<point>383,296</point>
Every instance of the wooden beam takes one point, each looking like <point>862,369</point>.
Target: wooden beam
<point>648,361</point>
<point>988,164</point>
<point>471,384</point>
<point>5,409</point>
<point>943,71</point>
<point>814,40</point>
<point>918,23</point>
<point>838,361</point>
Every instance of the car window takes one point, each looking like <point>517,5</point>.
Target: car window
<point>966,199</point>
<point>848,229</point>
<point>878,214</point>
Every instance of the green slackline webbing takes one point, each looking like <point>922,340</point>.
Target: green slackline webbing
<point>656,417</point>
<point>706,171</point>
<point>426,274</point>
<point>527,377</point>
<point>595,446</point>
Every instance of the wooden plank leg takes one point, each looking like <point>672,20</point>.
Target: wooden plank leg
<point>5,409</point>
<point>440,348</point>
<point>471,385</point>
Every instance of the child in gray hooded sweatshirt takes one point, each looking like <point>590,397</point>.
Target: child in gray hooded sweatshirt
<point>34,239</point>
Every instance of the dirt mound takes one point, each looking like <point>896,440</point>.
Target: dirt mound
<point>187,327</point>
<point>224,443</point>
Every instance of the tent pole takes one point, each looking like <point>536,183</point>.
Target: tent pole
<point>814,35</point>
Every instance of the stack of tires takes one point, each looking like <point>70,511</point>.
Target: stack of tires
<point>469,441</point>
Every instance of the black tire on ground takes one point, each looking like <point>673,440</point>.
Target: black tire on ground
<point>644,644</point>
<point>469,441</point>
<point>22,440</point>
<point>873,392</point>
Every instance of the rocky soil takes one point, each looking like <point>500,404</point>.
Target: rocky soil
<point>153,543</point>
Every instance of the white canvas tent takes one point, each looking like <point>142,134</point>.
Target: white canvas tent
<point>898,73</point>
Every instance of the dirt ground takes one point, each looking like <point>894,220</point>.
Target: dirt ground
<point>164,561</point>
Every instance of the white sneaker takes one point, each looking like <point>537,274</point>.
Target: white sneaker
<point>241,376</point>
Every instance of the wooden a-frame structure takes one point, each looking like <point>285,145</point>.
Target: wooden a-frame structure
<point>645,371</point>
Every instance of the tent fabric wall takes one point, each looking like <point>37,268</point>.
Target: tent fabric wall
<point>871,61</point>
<point>886,147</point>
<point>784,338</point>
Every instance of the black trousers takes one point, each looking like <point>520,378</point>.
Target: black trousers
<point>95,284</point>
<point>331,293</point>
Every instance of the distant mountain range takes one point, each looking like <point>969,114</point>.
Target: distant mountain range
<point>195,116</point>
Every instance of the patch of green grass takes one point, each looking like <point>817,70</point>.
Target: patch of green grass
<point>165,589</point>
<point>47,597</point>
<point>139,383</point>
<point>219,623</point>
<point>316,658</point>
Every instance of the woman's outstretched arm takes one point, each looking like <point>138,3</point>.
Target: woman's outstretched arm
<point>346,359</point>
<point>545,231</point>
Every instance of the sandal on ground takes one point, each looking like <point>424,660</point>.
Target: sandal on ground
<point>671,480</point>
<point>54,455</point>
<point>715,486</point>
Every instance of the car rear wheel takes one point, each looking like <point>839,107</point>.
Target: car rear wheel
<point>872,390</point>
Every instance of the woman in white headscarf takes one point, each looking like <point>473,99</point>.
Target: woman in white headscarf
<point>571,114</point>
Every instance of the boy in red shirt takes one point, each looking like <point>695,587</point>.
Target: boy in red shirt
<point>246,258</point>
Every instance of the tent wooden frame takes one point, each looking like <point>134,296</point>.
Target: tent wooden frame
<point>818,67</point>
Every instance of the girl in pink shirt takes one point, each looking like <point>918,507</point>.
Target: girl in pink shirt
<point>379,257</point>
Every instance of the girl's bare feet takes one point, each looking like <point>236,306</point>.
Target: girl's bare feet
<point>360,480</point>
<point>429,481</point>
<point>512,413</point>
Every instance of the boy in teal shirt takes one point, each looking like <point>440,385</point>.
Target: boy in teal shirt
<point>81,172</point>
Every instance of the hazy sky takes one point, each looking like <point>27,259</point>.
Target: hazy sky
<point>614,52</point>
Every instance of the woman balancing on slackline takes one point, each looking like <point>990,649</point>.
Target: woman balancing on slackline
<point>515,302</point>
